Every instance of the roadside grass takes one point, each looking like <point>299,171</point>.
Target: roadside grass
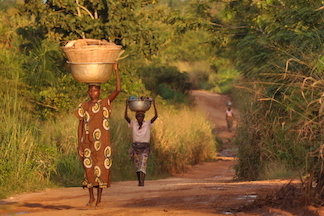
<point>36,155</point>
<point>183,138</point>
<point>278,170</point>
<point>22,165</point>
<point>177,143</point>
<point>278,136</point>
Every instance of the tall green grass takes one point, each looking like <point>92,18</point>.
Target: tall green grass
<point>60,135</point>
<point>24,163</point>
<point>282,130</point>
<point>180,138</point>
<point>22,166</point>
<point>39,154</point>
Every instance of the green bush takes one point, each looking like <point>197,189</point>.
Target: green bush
<point>38,154</point>
<point>156,78</point>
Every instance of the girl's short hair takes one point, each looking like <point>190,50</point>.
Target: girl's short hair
<point>140,113</point>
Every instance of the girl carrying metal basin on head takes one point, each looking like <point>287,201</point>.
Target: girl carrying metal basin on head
<point>141,130</point>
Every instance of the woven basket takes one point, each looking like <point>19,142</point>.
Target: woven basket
<point>91,50</point>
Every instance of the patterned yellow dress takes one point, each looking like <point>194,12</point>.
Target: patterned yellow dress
<point>95,143</point>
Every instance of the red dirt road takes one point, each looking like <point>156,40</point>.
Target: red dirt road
<point>207,189</point>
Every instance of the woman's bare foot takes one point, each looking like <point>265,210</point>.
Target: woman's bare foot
<point>97,203</point>
<point>90,203</point>
<point>98,200</point>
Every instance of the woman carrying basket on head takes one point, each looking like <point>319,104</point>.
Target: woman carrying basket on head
<point>94,139</point>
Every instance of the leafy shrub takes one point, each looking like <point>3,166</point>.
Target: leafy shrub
<point>155,78</point>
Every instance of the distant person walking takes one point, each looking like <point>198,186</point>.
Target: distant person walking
<point>140,148</point>
<point>229,116</point>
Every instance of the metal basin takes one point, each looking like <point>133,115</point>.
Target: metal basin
<point>97,72</point>
<point>137,105</point>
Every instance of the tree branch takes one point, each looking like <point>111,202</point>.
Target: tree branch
<point>86,10</point>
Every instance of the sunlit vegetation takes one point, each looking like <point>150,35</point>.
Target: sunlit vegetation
<point>270,51</point>
<point>277,48</point>
<point>38,129</point>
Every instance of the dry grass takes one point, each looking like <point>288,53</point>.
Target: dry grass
<point>183,138</point>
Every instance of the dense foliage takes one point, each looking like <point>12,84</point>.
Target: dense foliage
<point>38,147</point>
<point>278,48</point>
<point>170,48</point>
<point>166,81</point>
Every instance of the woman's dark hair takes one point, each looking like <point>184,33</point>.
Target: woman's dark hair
<point>98,86</point>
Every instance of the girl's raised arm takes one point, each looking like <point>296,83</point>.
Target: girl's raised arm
<point>155,112</point>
